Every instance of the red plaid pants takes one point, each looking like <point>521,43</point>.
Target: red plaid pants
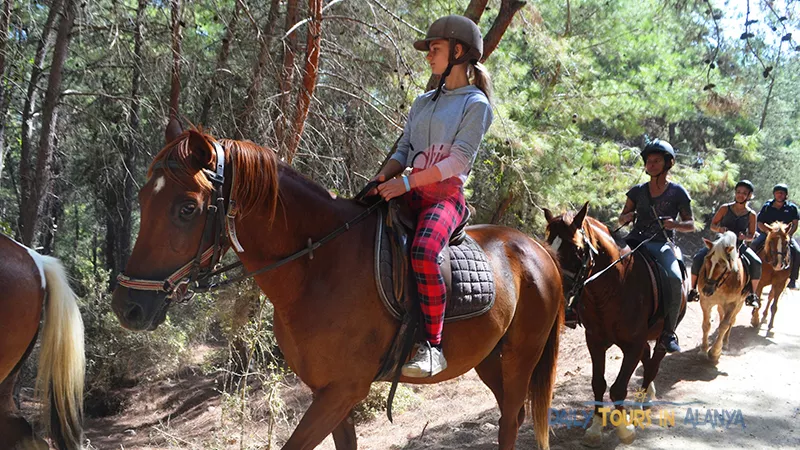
<point>440,208</point>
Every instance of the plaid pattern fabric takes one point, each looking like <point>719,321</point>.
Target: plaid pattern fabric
<point>437,217</point>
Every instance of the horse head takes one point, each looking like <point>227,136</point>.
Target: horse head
<point>720,261</point>
<point>567,238</point>
<point>183,229</point>
<point>777,245</point>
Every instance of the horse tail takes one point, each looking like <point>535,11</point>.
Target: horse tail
<point>543,380</point>
<point>59,382</point>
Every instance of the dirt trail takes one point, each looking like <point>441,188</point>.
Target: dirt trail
<point>757,376</point>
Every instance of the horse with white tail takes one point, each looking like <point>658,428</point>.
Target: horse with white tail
<point>722,283</point>
<point>32,285</point>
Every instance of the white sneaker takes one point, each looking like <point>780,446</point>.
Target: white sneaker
<point>428,362</point>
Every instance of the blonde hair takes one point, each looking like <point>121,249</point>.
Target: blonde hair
<point>481,78</point>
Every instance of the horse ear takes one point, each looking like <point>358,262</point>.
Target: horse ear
<point>708,243</point>
<point>174,129</point>
<point>548,215</point>
<point>201,149</point>
<point>579,218</point>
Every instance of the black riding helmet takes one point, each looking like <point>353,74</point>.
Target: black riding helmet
<point>781,187</point>
<point>659,146</point>
<point>455,29</point>
<point>747,184</point>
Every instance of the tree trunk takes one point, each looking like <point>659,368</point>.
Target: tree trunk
<point>508,8</point>
<point>26,176</point>
<point>248,118</point>
<point>38,186</point>
<point>222,63</point>
<point>175,85</point>
<point>475,10</point>
<point>5,94</point>
<point>289,49</point>
<point>306,91</point>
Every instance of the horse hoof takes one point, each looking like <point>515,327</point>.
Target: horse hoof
<point>626,434</point>
<point>593,440</point>
<point>713,357</point>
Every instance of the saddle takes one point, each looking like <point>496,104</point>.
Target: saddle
<point>659,280</point>
<point>463,264</point>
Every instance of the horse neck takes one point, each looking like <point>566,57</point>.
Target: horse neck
<point>305,211</point>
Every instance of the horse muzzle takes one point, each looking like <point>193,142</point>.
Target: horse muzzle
<point>139,310</point>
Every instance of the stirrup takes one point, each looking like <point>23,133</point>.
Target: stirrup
<point>752,300</point>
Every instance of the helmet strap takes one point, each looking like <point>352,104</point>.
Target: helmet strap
<point>451,61</point>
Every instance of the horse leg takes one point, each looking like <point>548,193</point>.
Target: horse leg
<point>490,372</point>
<point>344,435</point>
<point>619,390</point>
<point>15,431</point>
<point>706,307</point>
<point>726,317</point>
<point>738,307</point>
<point>647,380</point>
<point>330,407</point>
<point>593,437</point>
<point>759,290</point>
<point>774,310</point>
<point>770,299</point>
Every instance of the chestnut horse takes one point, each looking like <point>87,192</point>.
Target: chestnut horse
<point>777,269</point>
<point>721,283</point>
<point>616,308</point>
<point>32,285</point>
<point>329,322</point>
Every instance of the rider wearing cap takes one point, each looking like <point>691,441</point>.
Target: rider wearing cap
<point>658,208</point>
<point>780,209</point>
<point>740,219</point>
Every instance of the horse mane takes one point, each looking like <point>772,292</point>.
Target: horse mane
<point>255,168</point>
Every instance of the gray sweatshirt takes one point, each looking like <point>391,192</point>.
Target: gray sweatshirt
<point>445,133</point>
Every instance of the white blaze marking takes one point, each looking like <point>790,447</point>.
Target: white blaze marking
<point>556,243</point>
<point>160,182</point>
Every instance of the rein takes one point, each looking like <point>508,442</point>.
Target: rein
<point>178,287</point>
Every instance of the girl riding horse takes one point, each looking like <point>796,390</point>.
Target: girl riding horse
<point>738,218</point>
<point>646,205</point>
<point>440,141</point>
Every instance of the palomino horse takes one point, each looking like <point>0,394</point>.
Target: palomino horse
<point>777,269</point>
<point>329,321</point>
<point>30,285</point>
<point>721,282</point>
<point>617,308</point>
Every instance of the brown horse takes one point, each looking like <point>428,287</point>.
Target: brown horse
<point>616,309</point>
<point>777,269</point>
<point>721,283</point>
<point>329,321</point>
<point>30,285</point>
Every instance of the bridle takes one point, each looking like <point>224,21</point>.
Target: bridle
<point>713,283</point>
<point>219,234</point>
<point>586,255</point>
<point>200,269</point>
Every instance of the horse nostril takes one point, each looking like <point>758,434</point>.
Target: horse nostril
<point>134,313</point>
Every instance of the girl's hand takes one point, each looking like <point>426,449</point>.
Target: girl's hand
<point>627,217</point>
<point>722,230</point>
<point>380,178</point>
<point>670,224</point>
<point>391,189</point>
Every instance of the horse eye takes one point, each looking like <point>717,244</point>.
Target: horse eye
<point>187,210</point>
